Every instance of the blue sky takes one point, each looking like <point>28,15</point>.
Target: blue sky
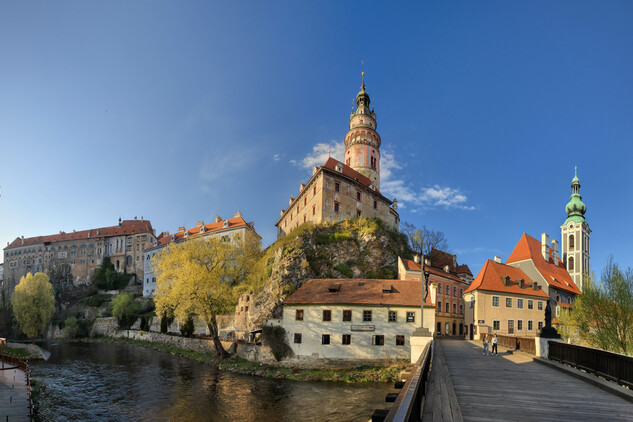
<point>180,111</point>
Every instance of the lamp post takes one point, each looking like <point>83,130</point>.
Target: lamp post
<point>3,341</point>
<point>421,336</point>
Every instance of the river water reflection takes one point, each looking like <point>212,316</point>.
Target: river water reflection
<point>120,382</point>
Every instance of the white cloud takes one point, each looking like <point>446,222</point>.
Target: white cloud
<point>276,157</point>
<point>409,193</point>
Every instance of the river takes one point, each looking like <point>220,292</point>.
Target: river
<point>121,382</point>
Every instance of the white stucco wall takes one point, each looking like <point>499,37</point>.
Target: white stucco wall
<point>312,327</point>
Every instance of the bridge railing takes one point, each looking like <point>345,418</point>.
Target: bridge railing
<point>409,404</point>
<point>612,366</point>
<point>24,366</point>
<point>524,344</point>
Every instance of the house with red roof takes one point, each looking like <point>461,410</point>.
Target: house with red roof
<point>338,191</point>
<point>79,253</point>
<point>355,319</point>
<point>450,281</point>
<point>228,230</point>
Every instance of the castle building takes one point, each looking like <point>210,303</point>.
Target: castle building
<point>575,236</point>
<point>78,254</point>
<point>229,230</point>
<point>338,191</point>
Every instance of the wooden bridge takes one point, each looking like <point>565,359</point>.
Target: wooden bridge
<point>464,385</point>
<point>15,390</point>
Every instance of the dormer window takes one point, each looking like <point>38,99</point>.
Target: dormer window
<point>339,168</point>
<point>226,223</point>
<point>387,288</point>
<point>202,229</point>
<point>334,288</point>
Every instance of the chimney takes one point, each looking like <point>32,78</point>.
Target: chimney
<point>446,268</point>
<point>497,259</point>
<point>252,225</point>
<point>290,201</point>
<point>181,229</point>
<point>416,258</point>
<point>545,247</point>
<point>282,213</point>
<point>134,218</point>
<point>238,215</point>
<point>217,219</point>
<point>427,261</point>
<point>141,218</point>
<point>314,170</point>
<point>555,252</point>
<point>200,223</point>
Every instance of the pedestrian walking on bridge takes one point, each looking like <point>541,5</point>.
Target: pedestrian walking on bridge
<point>486,345</point>
<point>494,344</point>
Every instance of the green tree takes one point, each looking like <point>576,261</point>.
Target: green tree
<point>125,309</point>
<point>33,303</point>
<point>201,277</point>
<point>425,240</point>
<point>604,311</point>
<point>71,327</point>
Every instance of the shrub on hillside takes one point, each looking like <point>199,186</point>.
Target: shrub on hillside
<point>125,309</point>
<point>187,328</point>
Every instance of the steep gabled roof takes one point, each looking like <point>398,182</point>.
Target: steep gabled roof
<point>347,171</point>
<point>358,292</point>
<point>128,227</point>
<point>490,279</point>
<point>556,276</point>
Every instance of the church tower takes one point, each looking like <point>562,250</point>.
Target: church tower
<point>362,142</point>
<point>575,235</point>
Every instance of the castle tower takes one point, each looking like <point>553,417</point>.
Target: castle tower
<point>362,142</point>
<point>575,235</point>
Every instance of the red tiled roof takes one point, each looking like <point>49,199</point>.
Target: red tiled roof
<point>331,164</point>
<point>564,305</point>
<point>410,265</point>
<point>234,222</point>
<point>128,227</point>
<point>463,269</point>
<point>555,275</point>
<point>489,278</point>
<point>359,292</point>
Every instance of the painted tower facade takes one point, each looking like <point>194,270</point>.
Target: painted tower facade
<point>575,236</point>
<point>362,142</point>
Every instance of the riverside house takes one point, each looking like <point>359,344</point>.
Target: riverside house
<point>355,318</point>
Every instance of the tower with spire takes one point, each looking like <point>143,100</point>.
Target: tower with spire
<point>575,235</point>
<point>362,142</point>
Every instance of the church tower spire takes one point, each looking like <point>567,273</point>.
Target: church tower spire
<point>575,234</point>
<point>362,142</point>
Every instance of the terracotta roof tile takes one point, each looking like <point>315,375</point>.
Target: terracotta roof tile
<point>555,275</point>
<point>358,292</point>
<point>331,164</point>
<point>489,278</point>
<point>128,227</point>
<point>410,265</point>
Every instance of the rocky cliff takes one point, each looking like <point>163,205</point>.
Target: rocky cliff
<point>358,248</point>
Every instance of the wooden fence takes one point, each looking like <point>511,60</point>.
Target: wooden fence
<point>612,366</point>
<point>524,344</point>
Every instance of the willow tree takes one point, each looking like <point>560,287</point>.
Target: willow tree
<point>604,311</point>
<point>33,303</point>
<point>201,277</point>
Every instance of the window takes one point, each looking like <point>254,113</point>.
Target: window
<point>570,263</point>
<point>454,308</point>
<point>297,338</point>
<point>471,303</point>
<point>347,315</point>
<point>337,187</point>
<point>378,340</point>
<point>540,325</point>
<point>399,340</point>
<point>461,309</point>
<point>510,326</point>
<point>375,204</point>
<point>520,325</point>
<point>557,298</point>
<point>540,305</point>
<point>530,325</point>
<point>346,339</point>
<point>358,213</point>
<point>410,316</point>
<point>496,325</point>
<point>439,328</point>
<point>495,301</point>
<point>130,260</point>
<point>393,316</point>
<point>448,290</point>
<point>454,291</point>
<point>366,316</point>
<point>299,315</point>
<point>358,197</point>
<point>314,191</point>
<point>520,303</point>
<point>508,302</point>
<point>571,242</point>
<point>325,339</point>
<point>448,307</point>
<point>439,288</point>
<point>327,315</point>
<point>439,306</point>
<point>314,210</point>
<point>336,206</point>
<point>461,292</point>
<point>530,304</point>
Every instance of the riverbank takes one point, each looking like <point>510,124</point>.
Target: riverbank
<point>360,374</point>
<point>24,351</point>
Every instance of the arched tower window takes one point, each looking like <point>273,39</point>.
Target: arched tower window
<point>570,263</point>
<point>571,242</point>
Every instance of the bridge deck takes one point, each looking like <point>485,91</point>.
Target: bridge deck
<point>513,387</point>
<point>14,397</point>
